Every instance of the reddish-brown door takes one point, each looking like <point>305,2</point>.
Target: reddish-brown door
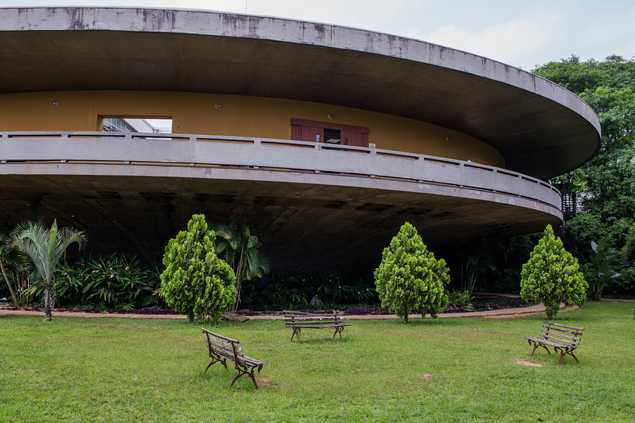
<point>306,133</point>
<point>356,136</point>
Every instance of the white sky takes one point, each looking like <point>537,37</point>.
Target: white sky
<point>521,33</point>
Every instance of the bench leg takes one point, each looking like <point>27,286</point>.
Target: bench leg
<point>296,331</point>
<point>214,361</point>
<point>561,359</point>
<point>253,378</point>
<point>249,373</point>
<point>338,331</point>
<point>236,378</point>
<point>536,345</point>
<point>574,357</point>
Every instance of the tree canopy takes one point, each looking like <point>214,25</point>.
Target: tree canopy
<point>195,280</point>
<point>605,185</point>
<point>410,277</point>
<point>552,275</point>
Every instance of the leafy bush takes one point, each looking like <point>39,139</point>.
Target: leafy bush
<point>460,300</point>
<point>16,270</point>
<point>410,277</point>
<point>599,270</point>
<point>241,250</point>
<point>552,275</point>
<point>195,281</point>
<point>112,282</point>
<point>295,291</point>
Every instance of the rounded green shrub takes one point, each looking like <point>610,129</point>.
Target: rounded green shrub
<point>195,280</point>
<point>409,276</point>
<point>552,275</point>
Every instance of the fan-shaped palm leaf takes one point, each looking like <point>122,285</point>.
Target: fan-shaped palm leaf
<point>46,247</point>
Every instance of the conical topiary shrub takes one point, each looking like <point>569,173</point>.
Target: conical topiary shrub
<point>552,276</point>
<point>195,280</point>
<point>410,277</point>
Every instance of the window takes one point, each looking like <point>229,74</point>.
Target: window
<point>135,124</point>
<point>332,136</point>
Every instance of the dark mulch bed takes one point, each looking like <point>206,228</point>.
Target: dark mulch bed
<point>481,302</point>
<point>485,302</point>
<point>145,310</point>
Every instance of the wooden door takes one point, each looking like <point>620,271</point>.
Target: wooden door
<point>306,133</point>
<point>356,136</point>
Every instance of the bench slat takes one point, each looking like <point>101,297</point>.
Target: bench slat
<point>234,341</point>
<point>550,342</point>
<point>560,325</point>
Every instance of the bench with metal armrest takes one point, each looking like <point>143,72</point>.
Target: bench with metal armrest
<point>222,348</point>
<point>296,322</point>
<point>562,338</point>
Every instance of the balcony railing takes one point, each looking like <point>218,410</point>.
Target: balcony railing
<point>270,154</point>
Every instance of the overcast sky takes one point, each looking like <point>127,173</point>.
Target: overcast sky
<point>520,33</point>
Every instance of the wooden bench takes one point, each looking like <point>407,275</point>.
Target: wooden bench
<point>563,339</point>
<point>222,348</point>
<point>298,321</point>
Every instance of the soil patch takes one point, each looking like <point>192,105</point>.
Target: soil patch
<point>527,363</point>
<point>426,376</point>
<point>264,381</point>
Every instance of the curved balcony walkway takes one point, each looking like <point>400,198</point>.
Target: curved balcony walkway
<point>273,160</point>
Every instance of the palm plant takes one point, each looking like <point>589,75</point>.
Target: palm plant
<point>238,247</point>
<point>46,248</point>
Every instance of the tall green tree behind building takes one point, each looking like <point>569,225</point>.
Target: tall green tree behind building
<point>605,186</point>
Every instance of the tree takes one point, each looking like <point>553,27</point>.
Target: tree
<point>241,249</point>
<point>46,248</point>
<point>552,275</point>
<point>409,276</point>
<point>195,280</point>
<point>606,183</point>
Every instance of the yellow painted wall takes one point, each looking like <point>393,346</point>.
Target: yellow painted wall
<point>232,115</point>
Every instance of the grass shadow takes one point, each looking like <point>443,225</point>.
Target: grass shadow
<point>219,378</point>
<point>322,341</point>
<point>426,322</point>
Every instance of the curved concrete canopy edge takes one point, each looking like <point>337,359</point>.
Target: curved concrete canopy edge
<point>543,132</point>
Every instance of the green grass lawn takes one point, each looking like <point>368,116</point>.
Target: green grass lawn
<point>85,370</point>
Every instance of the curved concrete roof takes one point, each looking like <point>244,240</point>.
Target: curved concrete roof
<point>540,128</point>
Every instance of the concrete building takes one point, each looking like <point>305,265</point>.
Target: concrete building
<point>323,138</point>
